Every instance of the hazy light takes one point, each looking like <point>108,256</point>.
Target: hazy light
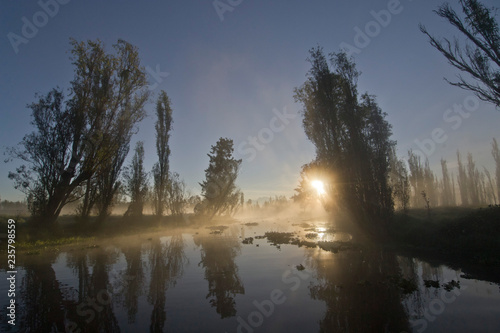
<point>318,185</point>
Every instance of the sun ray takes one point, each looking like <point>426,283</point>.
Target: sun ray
<point>319,186</point>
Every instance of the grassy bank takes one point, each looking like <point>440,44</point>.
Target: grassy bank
<point>457,236</point>
<point>70,230</point>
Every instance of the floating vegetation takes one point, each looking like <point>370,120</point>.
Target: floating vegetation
<point>407,286</point>
<point>303,225</point>
<point>300,267</point>
<point>431,283</point>
<point>218,227</point>
<point>248,240</point>
<point>217,230</point>
<point>301,243</point>
<point>335,246</point>
<point>279,237</point>
<point>251,224</point>
<point>451,285</point>
<point>311,235</point>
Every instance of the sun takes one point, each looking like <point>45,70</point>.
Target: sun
<point>319,186</point>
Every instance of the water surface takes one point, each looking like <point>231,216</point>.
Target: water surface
<point>232,279</point>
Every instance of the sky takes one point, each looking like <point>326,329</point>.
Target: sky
<point>230,68</point>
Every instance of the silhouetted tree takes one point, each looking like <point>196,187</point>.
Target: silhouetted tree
<point>350,133</point>
<point>73,139</point>
<point>136,181</point>
<point>161,168</point>
<point>307,195</point>
<point>399,182</point>
<point>473,181</point>
<point>430,184</point>
<point>495,151</point>
<point>176,191</point>
<point>490,192</point>
<point>480,57</point>
<point>447,194</point>
<point>416,178</point>
<point>219,190</point>
<point>462,181</point>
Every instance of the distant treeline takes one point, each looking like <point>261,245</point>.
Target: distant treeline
<point>416,185</point>
<point>13,207</point>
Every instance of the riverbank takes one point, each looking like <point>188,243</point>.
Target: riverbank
<point>456,236</point>
<point>69,230</point>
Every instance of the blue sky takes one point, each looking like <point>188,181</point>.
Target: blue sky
<point>229,75</point>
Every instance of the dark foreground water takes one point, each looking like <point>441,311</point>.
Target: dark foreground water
<point>209,280</point>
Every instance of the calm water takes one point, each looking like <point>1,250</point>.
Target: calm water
<point>208,280</point>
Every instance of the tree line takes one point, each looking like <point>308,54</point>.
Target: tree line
<point>81,140</point>
<point>415,185</point>
<point>355,156</point>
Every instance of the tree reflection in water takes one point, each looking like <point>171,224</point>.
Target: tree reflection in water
<point>166,259</point>
<point>41,297</point>
<point>356,288</point>
<point>218,252</point>
<point>92,310</point>
<point>131,282</point>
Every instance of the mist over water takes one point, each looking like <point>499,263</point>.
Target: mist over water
<point>287,273</point>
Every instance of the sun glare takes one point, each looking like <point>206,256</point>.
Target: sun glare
<point>318,185</point>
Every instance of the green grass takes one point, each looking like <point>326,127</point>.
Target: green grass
<point>40,244</point>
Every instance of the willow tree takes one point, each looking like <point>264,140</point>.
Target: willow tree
<point>75,137</point>
<point>351,136</point>
<point>161,168</point>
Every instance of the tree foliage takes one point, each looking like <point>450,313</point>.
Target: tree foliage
<point>176,199</point>
<point>495,151</point>
<point>76,138</point>
<point>350,133</point>
<point>161,168</point>
<point>399,182</point>
<point>136,182</point>
<point>219,191</point>
<point>480,56</point>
